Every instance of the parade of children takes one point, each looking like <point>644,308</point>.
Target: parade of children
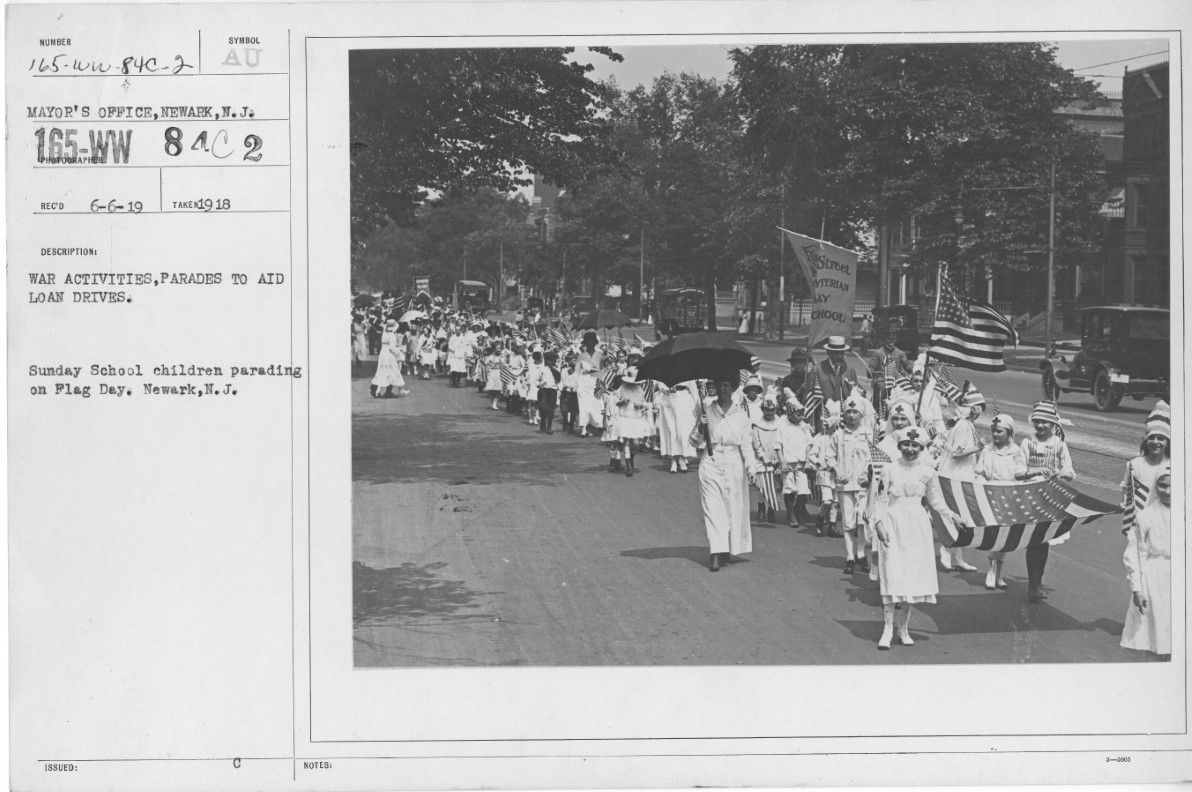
<point>865,463</point>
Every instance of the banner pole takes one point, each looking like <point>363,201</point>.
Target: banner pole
<point>927,355</point>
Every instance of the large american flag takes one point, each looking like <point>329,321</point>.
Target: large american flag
<point>969,332</point>
<point>1014,516</point>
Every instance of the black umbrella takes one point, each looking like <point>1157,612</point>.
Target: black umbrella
<point>693,356</point>
<point>604,317</point>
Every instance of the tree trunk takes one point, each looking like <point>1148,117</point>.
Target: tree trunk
<point>598,284</point>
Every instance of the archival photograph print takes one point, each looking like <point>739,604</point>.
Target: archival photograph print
<point>734,354</point>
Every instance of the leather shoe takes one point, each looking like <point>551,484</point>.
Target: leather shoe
<point>715,564</point>
<point>849,566</point>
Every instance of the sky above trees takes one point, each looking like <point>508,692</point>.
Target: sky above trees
<point>1101,60</point>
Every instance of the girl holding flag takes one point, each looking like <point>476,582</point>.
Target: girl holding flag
<point>1002,461</point>
<point>1142,470</point>
<point>1148,566</point>
<point>765,460</point>
<point>1046,456</point>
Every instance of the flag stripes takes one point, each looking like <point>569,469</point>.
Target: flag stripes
<point>1013,516</point>
<point>507,378</point>
<point>969,332</point>
<point>813,402</point>
<point>604,382</point>
<point>1134,499</point>
<point>765,486</point>
<point>945,383</point>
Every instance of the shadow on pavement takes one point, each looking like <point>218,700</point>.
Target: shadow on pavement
<point>409,591</point>
<point>463,448</point>
<point>979,614</point>
<point>693,553</point>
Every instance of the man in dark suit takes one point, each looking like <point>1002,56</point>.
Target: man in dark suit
<point>888,354</point>
<point>794,382</point>
<point>836,379</point>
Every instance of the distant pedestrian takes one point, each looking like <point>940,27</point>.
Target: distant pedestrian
<point>359,342</point>
<point>568,399</point>
<point>676,419</point>
<point>388,374</point>
<point>548,391</point>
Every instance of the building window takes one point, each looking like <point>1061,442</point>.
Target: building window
<point>1141,206</point>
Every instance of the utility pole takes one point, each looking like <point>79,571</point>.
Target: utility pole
<point>883,264</point>
<point>1051,256</point>
<point>641,277</point>
<point>500,274</point>
<point>782,263</point>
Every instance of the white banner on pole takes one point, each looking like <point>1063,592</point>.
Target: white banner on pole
<point>832,273</point>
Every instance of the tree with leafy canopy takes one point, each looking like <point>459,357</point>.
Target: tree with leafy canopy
<point>462,232</point>
<point>683,180</point>
<point>429,121</point>
<point>872,134</point>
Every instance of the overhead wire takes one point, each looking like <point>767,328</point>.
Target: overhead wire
<point>1122,60</point>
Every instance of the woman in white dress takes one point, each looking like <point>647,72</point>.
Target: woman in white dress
<point>1148,566</point>
<point>589,362</point>
<point>723,489</point>
<point>907,554</point>
<point>359,341</point>
<point>388,374</point>
<point>676,419</point>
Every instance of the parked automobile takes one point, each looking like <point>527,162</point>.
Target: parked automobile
<point>1124,351</point>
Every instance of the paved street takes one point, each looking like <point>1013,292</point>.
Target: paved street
<point>478,541</point>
